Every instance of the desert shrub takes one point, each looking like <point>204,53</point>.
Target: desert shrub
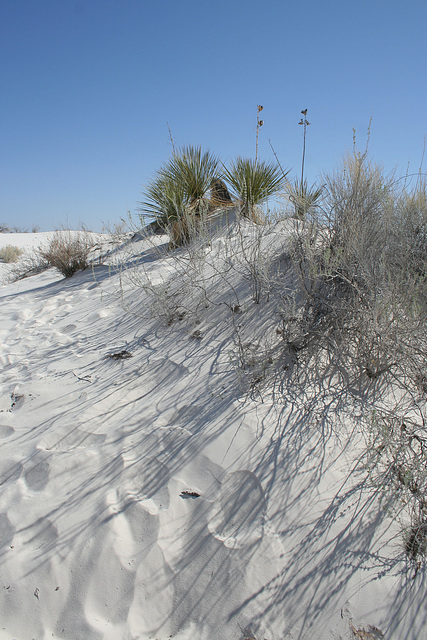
<point>68,252</point>
<point>396,460</point>
<point>30,264</point>
<point>361,303</point>
<point>253,182</point>
<point>10,253</point>
<point>362,271</point>
<point>415,539</point>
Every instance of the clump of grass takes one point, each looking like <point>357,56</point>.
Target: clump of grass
<point>10,253</point>
<point>68,252</point>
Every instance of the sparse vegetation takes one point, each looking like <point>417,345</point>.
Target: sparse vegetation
<point>362,272</point>
<point>10,253</point>
<point>30,264</point>
<point>349,289</point>
<point>68,252</point>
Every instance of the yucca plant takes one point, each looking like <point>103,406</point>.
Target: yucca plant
<point>194,171</point>
<point>303,196</point>
<point>166,199</point>
<point>177,194</point>
<point>253,182</point>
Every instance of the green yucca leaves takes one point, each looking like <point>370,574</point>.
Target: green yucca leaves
<point>194,171</point>
<point>180,186</point>
<point>166,199</point>
<point>303,196</point>
<point>253,182</point>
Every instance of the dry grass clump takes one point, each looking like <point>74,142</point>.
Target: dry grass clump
<point>10,253</point>
<point>68,252</point>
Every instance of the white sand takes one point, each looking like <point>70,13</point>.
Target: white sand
<point>97,540</point>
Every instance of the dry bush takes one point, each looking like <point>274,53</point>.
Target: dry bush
<point>30,264</point>
<point>68,252</point>
<point>396,461</point>
<point>10,253</point>
<point>362,271</point>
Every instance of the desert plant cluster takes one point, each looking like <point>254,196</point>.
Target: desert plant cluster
<point>342,270</point>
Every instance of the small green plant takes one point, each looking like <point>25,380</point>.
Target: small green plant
<point>10,253</point>
<point>253,182</point>
<point>68,252</point>
<point>166,200</point>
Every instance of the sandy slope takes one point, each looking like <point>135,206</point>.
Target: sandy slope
<point>271,539</point>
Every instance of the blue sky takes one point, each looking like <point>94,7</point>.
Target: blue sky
<point>88,88</point>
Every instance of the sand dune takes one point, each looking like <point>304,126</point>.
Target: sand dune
<point>151,497</point>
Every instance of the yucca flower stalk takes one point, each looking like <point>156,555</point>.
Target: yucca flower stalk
<point>305,123</point>
<point>259,124</point>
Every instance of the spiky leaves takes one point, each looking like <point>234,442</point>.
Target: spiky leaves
<point>194,171</point>
<point>304,197</point>
<point>166,199</point>
<point>179,188</point>
<point>254,182</point>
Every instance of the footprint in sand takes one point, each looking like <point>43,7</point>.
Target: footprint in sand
<point>130,567</point>
<point>186,413</point>
<point>6,431</point>
<point>149,612</point>
<point>37,476</point>
<point>6,530</point>
<point>146,480</point>
<point>237,517</point>
<point>69,328</point>
<point>135,525</point>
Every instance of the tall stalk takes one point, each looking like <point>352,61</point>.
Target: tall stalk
<point>259,124</point>
<point>305,123</point>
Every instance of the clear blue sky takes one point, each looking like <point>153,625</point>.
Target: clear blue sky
<point>88,87</point>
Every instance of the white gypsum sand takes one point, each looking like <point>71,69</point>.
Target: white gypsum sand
<point>153,486</point>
